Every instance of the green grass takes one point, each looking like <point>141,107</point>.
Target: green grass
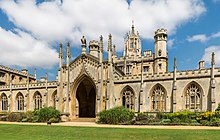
<point>28,132</point>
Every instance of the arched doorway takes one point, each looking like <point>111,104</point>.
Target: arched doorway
<point>86,97</point>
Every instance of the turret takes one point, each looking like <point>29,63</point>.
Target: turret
<point>132,43</point>
<point>160,47</point>
<point>94,48</point>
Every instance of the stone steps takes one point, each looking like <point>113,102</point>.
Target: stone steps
<point>84,120</point>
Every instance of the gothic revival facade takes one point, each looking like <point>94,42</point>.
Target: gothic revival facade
<point>138,80</point>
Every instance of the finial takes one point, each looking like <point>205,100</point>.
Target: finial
<point>175,62</point>
<point>213,59</point>
<point>101,43</point>
<point>132,28</point>
<point>110,42</point>
<point>114,49</point>
<point>35,72</point>
<point>46,76</point>
<point>61,51</point>
<point>68,49</point>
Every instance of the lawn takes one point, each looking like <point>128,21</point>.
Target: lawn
<point>28,132</point>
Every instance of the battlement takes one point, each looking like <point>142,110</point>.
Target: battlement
<point>23,72</point>
<point>160,31</point>
<point>93,43</point>
<point>31,85</point>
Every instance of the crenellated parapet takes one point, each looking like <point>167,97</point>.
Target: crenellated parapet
<point>37,85</point>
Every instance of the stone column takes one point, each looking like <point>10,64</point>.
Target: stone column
<point>141,89</point>
<point>174,86</point>
<point>100,81</point>
<point>212,83</point>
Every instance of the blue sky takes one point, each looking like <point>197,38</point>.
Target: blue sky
<point>30,30</point>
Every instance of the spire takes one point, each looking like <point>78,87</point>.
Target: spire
<point>68,50</point>
<point>35,73</point>
<point>101,43</point>
<point>61,51</point>
<point>213,59</point>
<point>174,66</point>
<point>132,28</point>
<point>114,50</point>
<point>110,42</point>
<point>61,55</point>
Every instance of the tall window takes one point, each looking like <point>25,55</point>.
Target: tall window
<point>20,102</point>
<point>193,97</point>
<point>4,101</point>
<point>37,101</point>
<point>158,99</point>
<point>54,96</point>
<point>128,99</point>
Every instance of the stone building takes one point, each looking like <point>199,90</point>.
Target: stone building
<point>138,80</point>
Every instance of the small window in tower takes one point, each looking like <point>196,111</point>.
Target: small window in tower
<point>160,66</point>
<point>131,45</point>
<point>20,79</point>
<point>146,68</point>
<point>159,53</point>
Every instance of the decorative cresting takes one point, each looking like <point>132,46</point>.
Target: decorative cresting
<point>20,102</point>
<point>37,100</point>
<point>158,98</point>
<point>128,98</point>
<point>193,97</point>
<point>4,102</point>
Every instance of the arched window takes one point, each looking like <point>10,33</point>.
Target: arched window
<point>128,98</point>
<point>193,97</point>
<point>4,102</point>
<point>54,96</point>
<point>158,99</point>
<point>20,102</point>
<point>37,101</point>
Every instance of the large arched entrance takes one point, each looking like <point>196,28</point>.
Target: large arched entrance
<point>86,97</point>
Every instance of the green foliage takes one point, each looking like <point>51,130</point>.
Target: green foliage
<point>218,108</point>
<point>54,120</point>
<point>46,113</point>
<point>15,116</point>
<point>117,115</point>
<point>166,121</point>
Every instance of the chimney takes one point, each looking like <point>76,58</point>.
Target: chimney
<point>201,64</point>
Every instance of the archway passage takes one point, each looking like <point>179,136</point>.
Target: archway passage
<point>86,96</point>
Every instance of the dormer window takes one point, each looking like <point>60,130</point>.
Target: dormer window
<point>131,45</point>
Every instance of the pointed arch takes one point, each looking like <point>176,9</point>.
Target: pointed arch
<point>192,94</point>
<point>37,100</point>
<point>84,96</point>
<point>128,97</point>
<point>158,96</point>
<point>54,97</point>
<point>4,102</point>
<point>20,101</point>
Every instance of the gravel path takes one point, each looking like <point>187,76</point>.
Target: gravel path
<point>92,124</point>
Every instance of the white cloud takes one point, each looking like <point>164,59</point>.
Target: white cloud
<point>21,49</point>
<point>202,37</point>
<point>208,53</point>
<point>52,20</point>
<point>170,43</point>
<point>199,37</point>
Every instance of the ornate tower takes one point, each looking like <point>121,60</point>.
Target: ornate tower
<point>160,47</point>
<point>132,44</point>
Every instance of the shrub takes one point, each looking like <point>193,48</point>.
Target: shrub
<point>176,121</point>
<point>215,122</point>
<point>117,115</point>
<point>142,116</point>
<point>15,116</point>
<point>218,108</point>
<point>54,120</point>
<point>167,121</point>
<point>46,113</point>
